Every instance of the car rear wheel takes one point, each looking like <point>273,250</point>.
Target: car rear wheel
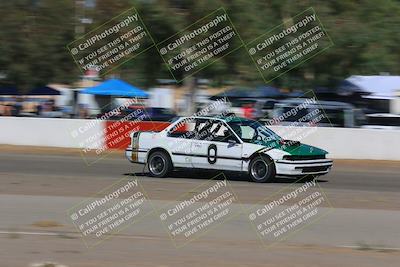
<point>261,169</point>
<point>159,164</point>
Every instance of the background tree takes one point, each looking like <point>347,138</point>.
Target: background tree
<point>34,35</point>
<point>33,38</point>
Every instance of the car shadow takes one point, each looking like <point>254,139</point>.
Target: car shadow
<point>201,175</point>
<point>231,176</point>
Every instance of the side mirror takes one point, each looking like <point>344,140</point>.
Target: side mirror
<point>232,142</point>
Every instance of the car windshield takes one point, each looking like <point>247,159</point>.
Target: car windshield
<point>254,132</point>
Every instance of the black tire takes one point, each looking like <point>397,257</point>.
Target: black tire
<point>159,164</point>
<point>261,169</point>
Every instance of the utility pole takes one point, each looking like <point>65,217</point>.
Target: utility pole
<point>189,82</point>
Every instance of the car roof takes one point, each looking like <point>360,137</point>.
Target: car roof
<point>225,119</point>
<point>297,101</point>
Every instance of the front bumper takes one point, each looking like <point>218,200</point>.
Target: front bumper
<point>303,167</point>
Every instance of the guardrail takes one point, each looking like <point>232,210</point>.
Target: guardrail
<point>341,143</point>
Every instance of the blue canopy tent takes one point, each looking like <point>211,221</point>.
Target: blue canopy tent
<point>236,92</point>
<point>8,91</point>
<point>265,92</point>
<point>105,92</point>
<point>347,87</point>
<point>117,88</point>
<point>44,91</point>
<point>296,94</point>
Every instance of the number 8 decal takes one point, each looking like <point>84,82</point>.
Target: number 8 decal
<point>212,158</point>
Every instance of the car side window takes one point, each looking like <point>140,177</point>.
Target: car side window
<point>293,117</point>
<point>202,129</point>
<point>247,132</point>
<point>183,129</point>
<point>219,132</point>
<point>206,129</point>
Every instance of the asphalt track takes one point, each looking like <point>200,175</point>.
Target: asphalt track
<point>38,186</point>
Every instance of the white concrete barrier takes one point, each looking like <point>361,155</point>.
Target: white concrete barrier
<point>48,132</point>
<point>349,143</point>
<point>341,143</point>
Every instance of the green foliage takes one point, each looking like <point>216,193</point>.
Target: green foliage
<point>34,35</point>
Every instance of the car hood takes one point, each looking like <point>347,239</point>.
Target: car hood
<point>295,148</point>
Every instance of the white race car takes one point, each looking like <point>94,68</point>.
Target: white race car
<point>229,144</point>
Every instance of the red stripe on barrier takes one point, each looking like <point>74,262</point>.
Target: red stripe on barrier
<point>117,132</point>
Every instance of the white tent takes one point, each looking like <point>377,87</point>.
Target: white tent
<point>379,86</point>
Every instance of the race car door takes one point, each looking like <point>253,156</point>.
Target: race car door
<point>215,146</point>
<point>179,141</point>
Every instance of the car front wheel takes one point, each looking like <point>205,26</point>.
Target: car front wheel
<point>159,164</point>
<point>261,169</point>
